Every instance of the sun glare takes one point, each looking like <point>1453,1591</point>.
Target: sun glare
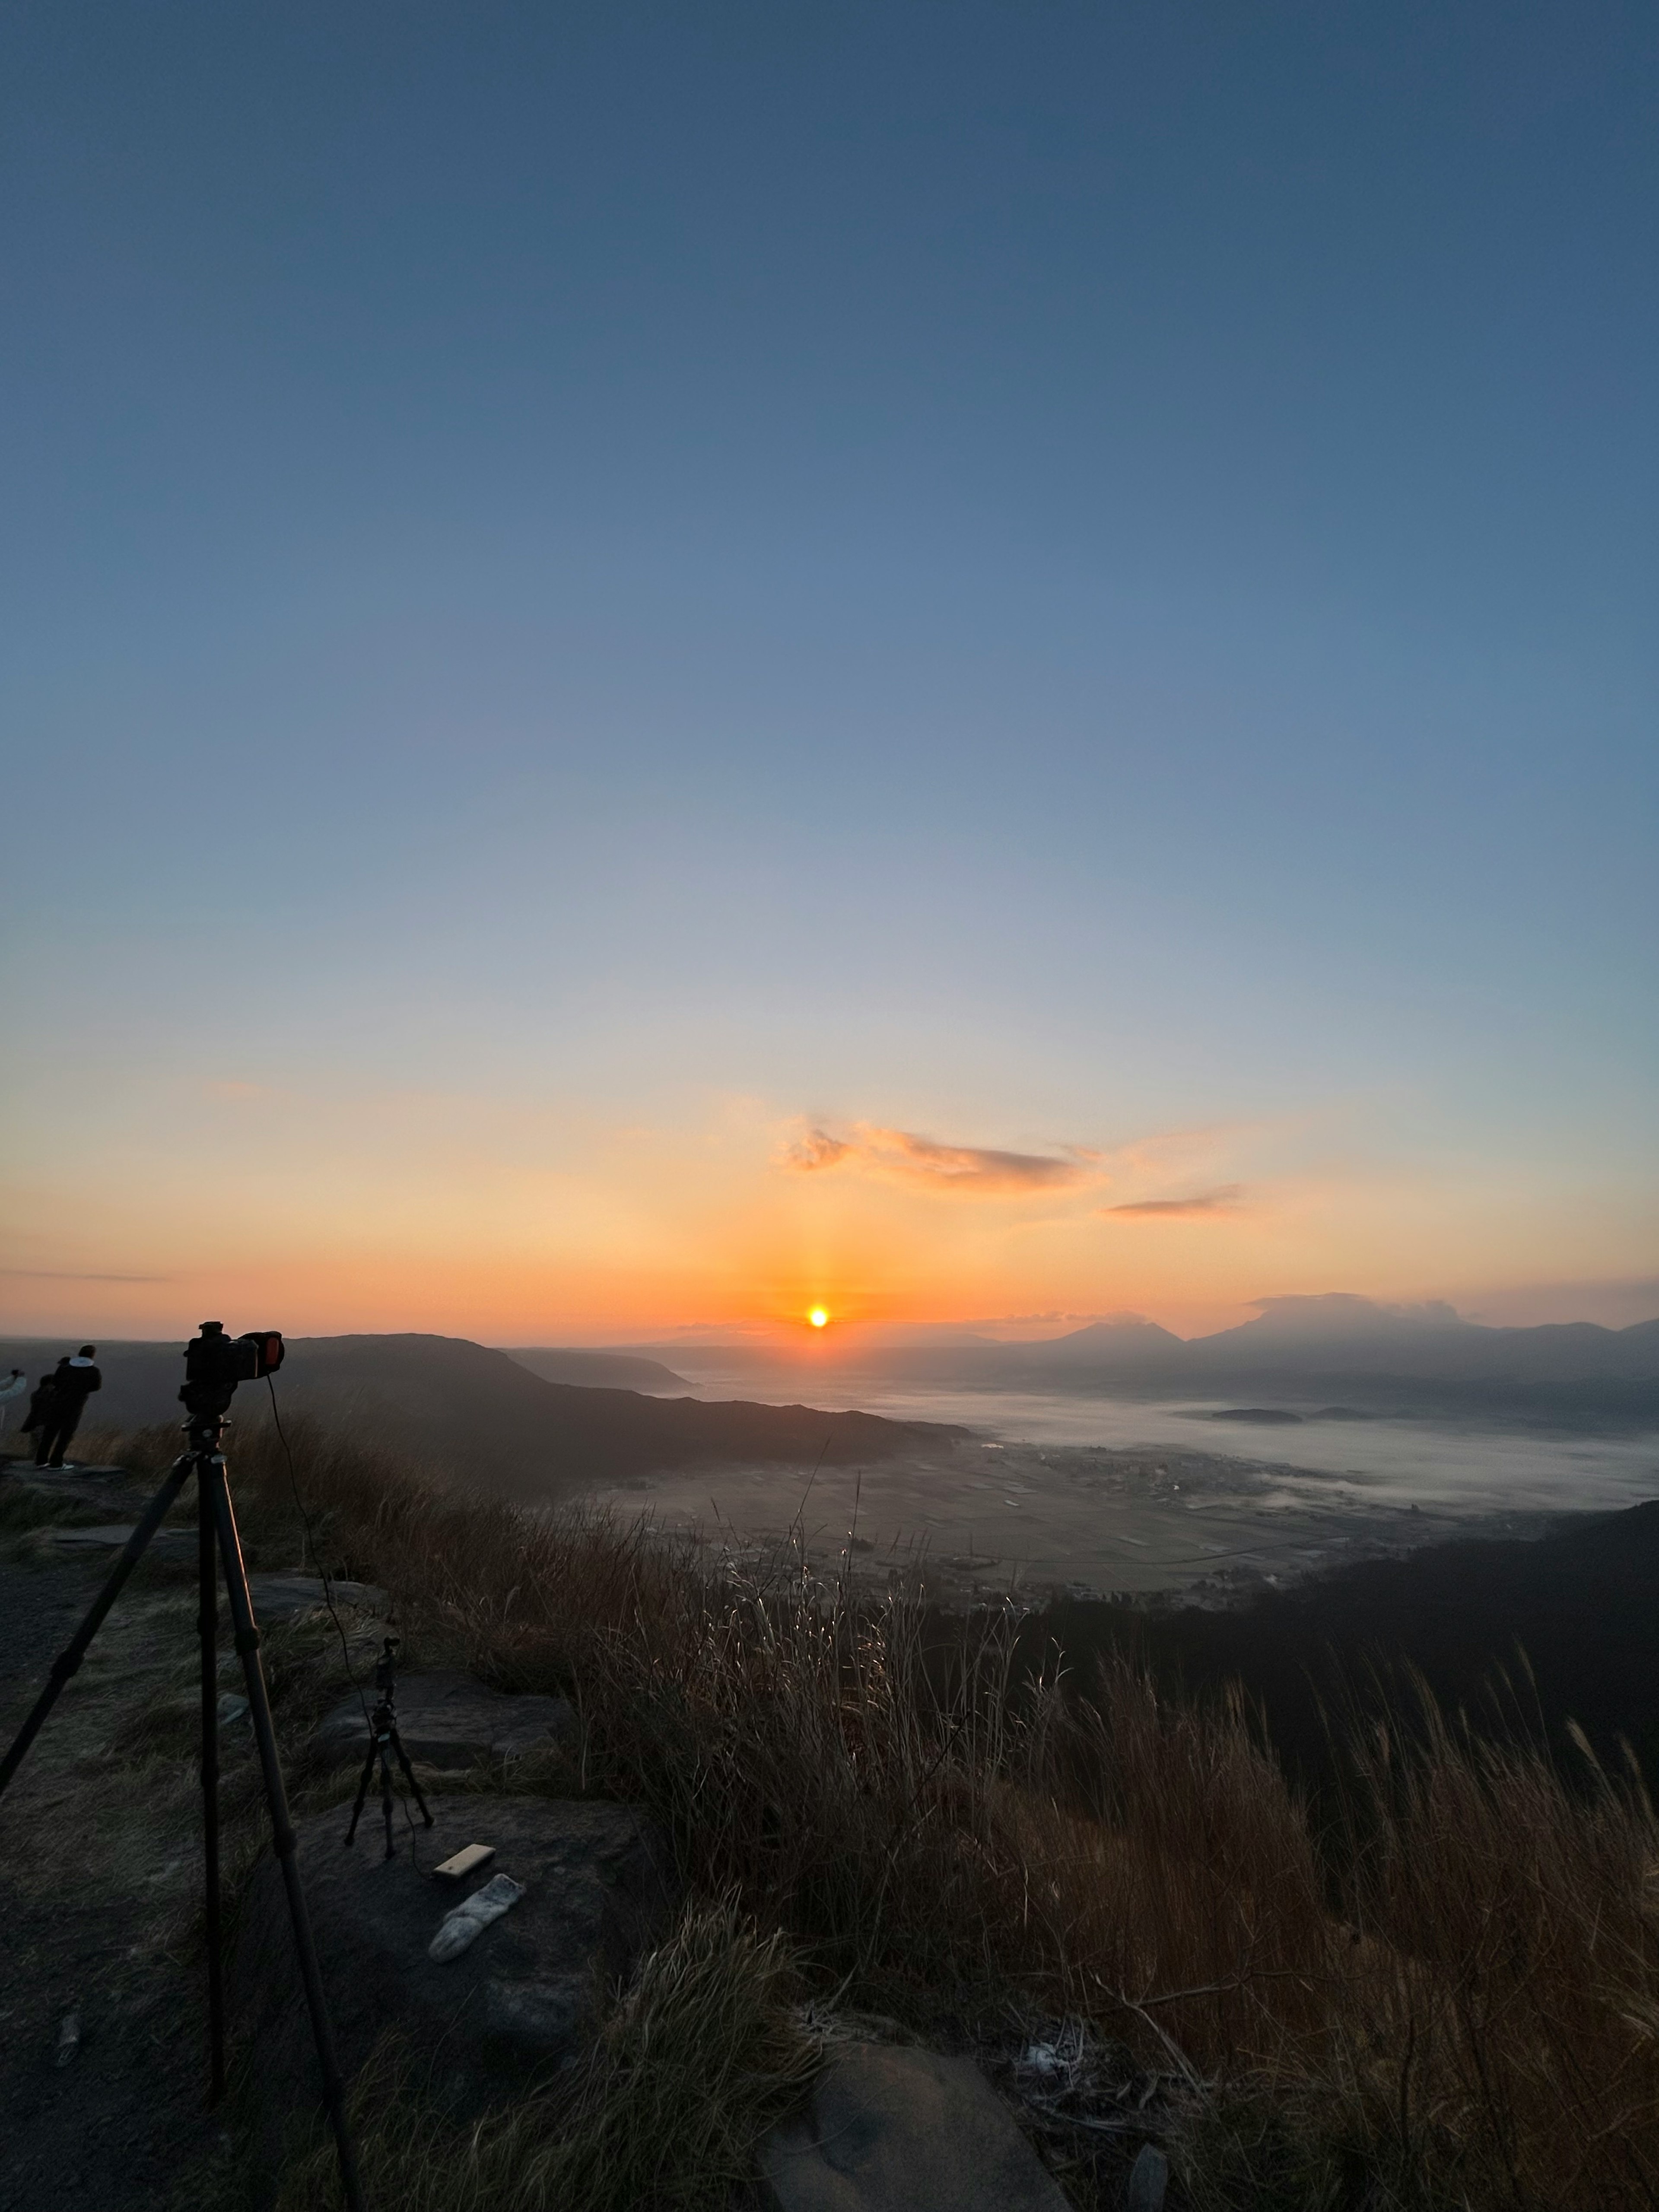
<point>818,1317</point>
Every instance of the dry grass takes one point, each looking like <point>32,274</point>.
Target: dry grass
<point>694,2064</point>
<point>1451,1997</point>
<point>23,1509</point>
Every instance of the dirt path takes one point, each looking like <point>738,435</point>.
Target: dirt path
<point>99,1883</point>
<point>100,1848</point>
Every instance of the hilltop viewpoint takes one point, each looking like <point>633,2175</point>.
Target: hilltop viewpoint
<point>861,1843</point>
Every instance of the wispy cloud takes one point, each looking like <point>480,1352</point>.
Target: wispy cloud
<point>970,1170</point>
<point>70,1275</point>
<point>816,1149</point>
<point>1225,1198</point>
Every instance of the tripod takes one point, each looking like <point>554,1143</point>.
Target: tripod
<point>384,1739</point>
<point>216,1521</point>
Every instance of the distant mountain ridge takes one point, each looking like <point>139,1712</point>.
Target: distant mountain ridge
<point>1351,1335</point>
<point>1355,1334</point>
<point>1423,1360</point>
<point>596,1370</point>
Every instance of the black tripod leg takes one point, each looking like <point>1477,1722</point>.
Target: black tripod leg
<point>247,1646</point>
<point>73,1653</point>
<point>409,1777</point>
<point>208,1626</point>
<point>386,1801</point>
<point>362,1792</point>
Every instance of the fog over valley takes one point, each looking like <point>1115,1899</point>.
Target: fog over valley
<point>1115,1456</point>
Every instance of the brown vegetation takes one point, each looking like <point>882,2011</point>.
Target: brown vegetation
<point>694,2063</point>
<point>1449,1997</point>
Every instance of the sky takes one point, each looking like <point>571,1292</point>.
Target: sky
<point>668,663</point>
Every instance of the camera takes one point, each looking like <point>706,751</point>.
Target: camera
<point>214,1363</point>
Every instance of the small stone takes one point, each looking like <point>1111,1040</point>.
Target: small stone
<point>460,1928</point>
<point>1149,2177</point>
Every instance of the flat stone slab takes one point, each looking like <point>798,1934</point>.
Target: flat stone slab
<point>72,1470</point>
<point>450,1721</point>
<point>275,1597</point>
<point>903,2131</point>
<point>597,1890</point>
<point>278,1598</point>
<point>285,1597</point>
<point>165,1544</point>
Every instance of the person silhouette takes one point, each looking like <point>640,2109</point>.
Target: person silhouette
<point>16,1384</point>
<point>73,1382</point>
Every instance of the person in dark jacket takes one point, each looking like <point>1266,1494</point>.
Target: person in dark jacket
<point>73,1382</point>
<point>43,1410</point>
<point>40,1407</point>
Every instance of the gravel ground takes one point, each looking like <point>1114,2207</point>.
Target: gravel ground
<point>100,1887</point>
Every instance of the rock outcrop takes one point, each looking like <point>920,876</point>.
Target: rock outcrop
<point>903,2131</point>
<point>171,1545</point>
<point>596,1891</point>
<point>285,1597</point>
<point>449,1721</point>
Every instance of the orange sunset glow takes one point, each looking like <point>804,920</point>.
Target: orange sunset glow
<point>809,761</point>
<point>528,1223</point>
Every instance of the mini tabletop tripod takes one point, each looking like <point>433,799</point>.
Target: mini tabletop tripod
<point>216,1364</point>
<point>384,1742</point>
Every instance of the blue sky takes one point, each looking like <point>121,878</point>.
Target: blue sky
<point>586,591</point>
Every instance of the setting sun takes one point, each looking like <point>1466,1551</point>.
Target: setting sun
<point>818,1317</point>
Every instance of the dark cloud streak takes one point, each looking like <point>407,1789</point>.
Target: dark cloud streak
<point>1226,1198</point>
<point>904,1155</point>
<point>68,1275</point>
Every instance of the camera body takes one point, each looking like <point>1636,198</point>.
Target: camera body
<point>214,1363</point>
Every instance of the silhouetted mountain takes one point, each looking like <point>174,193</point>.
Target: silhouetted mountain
<point>464,1410</point>
<point>700,1355</point>
<point>1131,1351</point>
<point>1340,1334</point>
<point>1418,1360</point>
<point>1427,1361</point>
<point>597,1370</point>
<point>1106,1346</point>
<point>141,1379</point>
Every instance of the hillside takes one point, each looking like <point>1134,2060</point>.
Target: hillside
<point>597,1370</point>
<point>464,1410</point>
<point>1577,1601</point>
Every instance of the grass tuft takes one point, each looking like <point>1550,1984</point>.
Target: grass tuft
<point>695,2062</point>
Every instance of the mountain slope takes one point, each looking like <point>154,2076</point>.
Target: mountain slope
<point>467,1410</point>
<point>597,1370</point>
